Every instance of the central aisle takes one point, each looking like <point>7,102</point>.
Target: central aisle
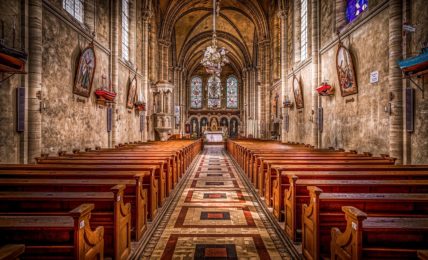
<point>216,217</point>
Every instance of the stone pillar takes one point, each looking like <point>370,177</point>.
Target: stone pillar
<point>283,23</point>
<point>147,14</point>
<point>395,80</point>
<point>34,78</point>
<point>243,102</point>
<point>263,88</point>
<point>315,64</point>
<point>115,25</point>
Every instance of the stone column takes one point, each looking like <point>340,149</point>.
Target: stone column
<point>115,24</point>
<point>283,23</point>
<point>243,101</point>
<point>34,78</point>
<point>395,80</point>
<point>315,64</point>
<point>147,14</point>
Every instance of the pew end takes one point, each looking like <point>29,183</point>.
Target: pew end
<point>11,251</point>
<point>348,244</point>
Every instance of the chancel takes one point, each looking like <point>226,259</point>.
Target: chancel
<point>213,129</point>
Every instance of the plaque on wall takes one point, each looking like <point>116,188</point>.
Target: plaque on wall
<point>109,118</point>
<point>142,116</point>
<point>287,123</point>
<point>20,109</point>
<point>85,72</point>
<point>320,119</point>
<point>410,109</point>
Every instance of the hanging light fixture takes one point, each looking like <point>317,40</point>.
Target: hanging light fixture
<point>214,57</point>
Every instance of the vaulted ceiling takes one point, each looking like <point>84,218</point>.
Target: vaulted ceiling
<point>188,25</point>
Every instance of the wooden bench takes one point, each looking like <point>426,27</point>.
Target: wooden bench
<point>134,193</point>
<point>11,251</point>
<point>274,194</point>
<point>423,254</point>
<point>324,212</point>
<point>67,236</point>
<point>378,238</point>
<point>60,171</point>
<point>143,165</point>
<point>296,194</point>
<point>261,175</point>
<point>110,212</point>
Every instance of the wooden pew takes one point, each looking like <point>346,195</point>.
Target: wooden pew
<point>61,171</point>
<point>296,194</point>
<point>264,171</point>
<point>134,193</point>
<point>110,212</point>
<point>378,238</point>
<point>279,177</point>
<point>423,254</point>
<point>142,165</point>
<point>11,251</point>
<point>324,212</point>
<point>67,236</point>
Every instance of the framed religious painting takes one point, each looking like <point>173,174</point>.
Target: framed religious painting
<point>346,72</point>
<point>298,93</point>
<point>85,72</point>
<point>132,93</point>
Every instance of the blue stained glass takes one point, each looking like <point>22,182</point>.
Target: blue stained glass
<point>354,8</point>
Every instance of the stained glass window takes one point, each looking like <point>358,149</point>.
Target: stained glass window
<point>303,29</point>
<point>232,92</point>
<point>125,29</point>
<point>354,8</point>
<point>196,92</point>
<point>75,8</point>
<point>214,92</point>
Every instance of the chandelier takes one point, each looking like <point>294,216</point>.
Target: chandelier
<point>214,57</point>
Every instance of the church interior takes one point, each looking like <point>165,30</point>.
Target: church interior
<point>213,129</point>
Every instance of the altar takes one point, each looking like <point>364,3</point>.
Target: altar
<point>213,136</point>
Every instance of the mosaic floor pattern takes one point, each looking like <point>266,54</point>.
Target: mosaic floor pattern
<point>215,217</point>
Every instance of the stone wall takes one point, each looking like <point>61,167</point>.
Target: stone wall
<point>10,148</point>
<point>419,138</point>
<point>359,122</point>
<point>70,121</point>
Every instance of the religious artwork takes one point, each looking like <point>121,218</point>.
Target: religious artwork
<point>177,116</point>
<point>354,8</point>
<point>214,124</point>
<point>214,92</point>
<point>232,92</point>
<point>346,72</point>
<point>85,72</point>
<point>233,131</point>
<point>194,126</point>
<point>224,122</point>
<point>204,124</point>
<point>298,93</point>
<point>196,92</point>
<point>132,93</point>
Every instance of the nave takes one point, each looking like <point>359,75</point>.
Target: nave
<point>215,215</point>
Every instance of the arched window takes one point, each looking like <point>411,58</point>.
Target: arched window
<point>354,8</point>
<point>214,92</point>
<point>75,8</point>
<point>125,29</point>
<point>303,29</point>
<point>196,92</point>
<point>232,92</point>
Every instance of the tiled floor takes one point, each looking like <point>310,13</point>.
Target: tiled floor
<point>216,217</point>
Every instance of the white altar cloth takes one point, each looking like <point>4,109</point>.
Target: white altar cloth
<point>214,136</point>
